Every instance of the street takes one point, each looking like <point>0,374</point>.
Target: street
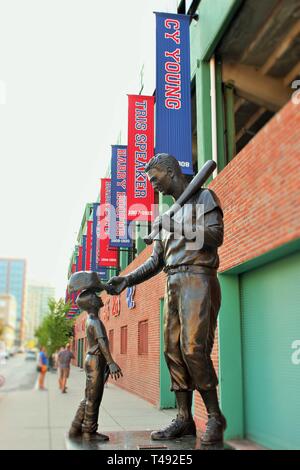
<point>18,374</point>
<point>35,420</point>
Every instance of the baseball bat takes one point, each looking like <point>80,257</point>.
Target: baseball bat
<point>194,186</point>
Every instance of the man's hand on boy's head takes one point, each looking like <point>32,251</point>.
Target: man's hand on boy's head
<point>116,285</point>
<point>115,370</point>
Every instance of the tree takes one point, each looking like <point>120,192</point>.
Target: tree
<point>56,329</point>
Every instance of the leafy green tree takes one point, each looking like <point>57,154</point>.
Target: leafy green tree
<point>56,329</point>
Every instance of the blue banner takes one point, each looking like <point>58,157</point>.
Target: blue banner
<point>119,236</point>
<point>83,252</point>
<point>94,237</point>
<point>103,272</point>
<point>173,90</point>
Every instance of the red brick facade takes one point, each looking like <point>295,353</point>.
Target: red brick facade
<point>260,195</point>
<point>260,191</point>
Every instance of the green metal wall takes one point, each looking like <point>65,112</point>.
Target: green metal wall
<point>270,323</point>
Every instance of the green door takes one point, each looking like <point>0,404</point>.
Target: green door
<point>167,398</point>
<point>270,309</point>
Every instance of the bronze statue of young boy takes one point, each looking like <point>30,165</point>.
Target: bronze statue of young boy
<point>98,363</point>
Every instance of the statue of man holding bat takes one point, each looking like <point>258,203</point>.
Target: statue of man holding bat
<point>193,296</point>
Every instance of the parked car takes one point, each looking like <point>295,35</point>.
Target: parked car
<point>31,355</point>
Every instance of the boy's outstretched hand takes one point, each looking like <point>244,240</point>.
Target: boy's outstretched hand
<point>115,370</point>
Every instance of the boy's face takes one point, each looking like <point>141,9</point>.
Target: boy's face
<point>89,301</point>
<point>97,301</point>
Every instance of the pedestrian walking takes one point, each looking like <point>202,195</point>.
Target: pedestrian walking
<point>42,367</point>
<point>64,360</point>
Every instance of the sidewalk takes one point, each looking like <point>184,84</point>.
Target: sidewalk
<point>33,419</point>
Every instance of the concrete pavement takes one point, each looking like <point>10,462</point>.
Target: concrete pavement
<point>34,419</point>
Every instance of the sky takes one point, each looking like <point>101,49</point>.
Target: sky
<point>66,67</point>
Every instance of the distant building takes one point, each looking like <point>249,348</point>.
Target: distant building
<point>8,317</point>
<point>12,281</point>
<point>36,306</point>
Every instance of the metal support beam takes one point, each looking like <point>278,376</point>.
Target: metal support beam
<point>230,122</point>
<point>252,85</point>
<point>213,107</point>
<point>292,74</point>
<point>282,48</point>
<point>204,143</point>
<point>259,35</point>
<point>239,103</point>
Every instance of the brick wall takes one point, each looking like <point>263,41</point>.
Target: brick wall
<point>260,191</point>
<point>260,195</point>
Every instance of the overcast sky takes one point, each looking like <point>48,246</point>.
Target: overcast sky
<point>65,69</point>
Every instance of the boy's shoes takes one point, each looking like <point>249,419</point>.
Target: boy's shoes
<point>74,432</point>
<point>94,436</point>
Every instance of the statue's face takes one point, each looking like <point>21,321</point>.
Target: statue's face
<point>97,301</point>
<point>160,179</point>
<point>88,301</point>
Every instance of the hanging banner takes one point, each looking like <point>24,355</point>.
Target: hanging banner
<point>140,194</point>
<point>119,236</point>
<point>173,90</point>
<point>115,306</point>
<point>83,252</point>
<point>103,273</point>
<point>88,251</point>
<point>107,257</point>
<point>95,244</point>
<point>79,258</point>
<point>130,292</point>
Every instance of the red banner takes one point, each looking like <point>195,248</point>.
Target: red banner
<point>108,257</point>
<point>140,195</point>
<point>88,255</point>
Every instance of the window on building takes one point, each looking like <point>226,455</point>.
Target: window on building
<point>143,337</point>
<point>111,340</point>
<point>123,346</point>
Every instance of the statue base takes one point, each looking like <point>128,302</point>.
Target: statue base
<point>140,440</point>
